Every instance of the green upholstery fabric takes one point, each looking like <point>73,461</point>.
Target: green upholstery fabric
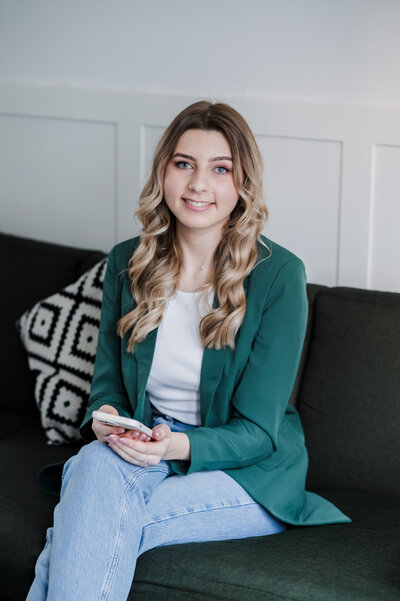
<point>343,562</point>
<point>26,512</point>
<point>11,423</point>
<point>312,291</point>
<point>350,392</point>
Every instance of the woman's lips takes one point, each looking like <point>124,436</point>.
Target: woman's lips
<point>197,205</point>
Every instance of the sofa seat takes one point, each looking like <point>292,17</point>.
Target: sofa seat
<point>342,562</point>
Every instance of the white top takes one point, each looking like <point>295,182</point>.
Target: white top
<point>174,380</point>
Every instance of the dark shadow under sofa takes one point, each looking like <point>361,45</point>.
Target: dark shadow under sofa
<point>348,396</point>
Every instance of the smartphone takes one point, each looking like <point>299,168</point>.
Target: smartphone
<point>124,422</point>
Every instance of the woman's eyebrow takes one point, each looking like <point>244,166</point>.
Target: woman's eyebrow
<point>188,156</point>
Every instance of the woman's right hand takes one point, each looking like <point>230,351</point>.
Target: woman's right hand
<point>101,430</point>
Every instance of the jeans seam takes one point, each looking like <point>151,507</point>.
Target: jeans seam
<point>117,549</point>
<point>155,469</point>
<point>129,486</point>
<point>200,510</point>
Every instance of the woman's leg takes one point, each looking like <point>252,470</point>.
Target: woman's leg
<point>111,511</point>
<point>91,550</point>
<point>203,506</point>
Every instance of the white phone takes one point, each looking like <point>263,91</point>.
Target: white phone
<point>124,422</point>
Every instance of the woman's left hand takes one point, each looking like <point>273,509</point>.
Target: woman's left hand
<point>130,447</point>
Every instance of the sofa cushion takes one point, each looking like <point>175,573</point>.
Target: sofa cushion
<point>60,336</point>
<point>26,512</point>
<point>312,291</point>
<point>350,392</point>
<point>30,270</point>
<point>12,422</point>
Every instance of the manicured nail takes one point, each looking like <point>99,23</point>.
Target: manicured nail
<point>124,440</point>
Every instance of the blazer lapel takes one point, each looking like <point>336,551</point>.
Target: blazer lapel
<point>212,369</point>
<point>211,372</point>
<point>144,352</point>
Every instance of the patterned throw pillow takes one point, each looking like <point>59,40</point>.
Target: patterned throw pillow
<point>60,336</point>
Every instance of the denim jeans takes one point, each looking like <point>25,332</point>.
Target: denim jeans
<point>111,511</point>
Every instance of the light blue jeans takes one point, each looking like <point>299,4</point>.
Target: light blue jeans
<point>111,511</point>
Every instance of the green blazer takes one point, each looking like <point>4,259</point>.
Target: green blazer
<point>248,430</point>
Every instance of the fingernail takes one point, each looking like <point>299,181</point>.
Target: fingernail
<point>120,431</point>
<point>111,438</point>
<point>124,440</point>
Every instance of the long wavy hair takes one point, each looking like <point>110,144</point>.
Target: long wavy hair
<point>155,267</point>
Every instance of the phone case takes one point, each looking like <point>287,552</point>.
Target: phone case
<point>124,422</point>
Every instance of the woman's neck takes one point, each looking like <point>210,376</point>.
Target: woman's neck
<point>198,250</point>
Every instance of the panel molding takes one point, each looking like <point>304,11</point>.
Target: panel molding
<point>358,129</point>
<point>384,242</point>
<point>58,179</point>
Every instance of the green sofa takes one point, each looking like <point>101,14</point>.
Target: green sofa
<point>348,396</point>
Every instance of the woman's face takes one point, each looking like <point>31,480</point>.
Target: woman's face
<point>198,181</point>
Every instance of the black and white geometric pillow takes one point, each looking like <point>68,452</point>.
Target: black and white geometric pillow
<point>60,336</point>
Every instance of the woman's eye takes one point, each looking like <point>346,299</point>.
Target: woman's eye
<point>221,170</point>
<point>183,165</point>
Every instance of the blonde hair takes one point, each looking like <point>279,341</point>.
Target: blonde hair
<point>155,267</point>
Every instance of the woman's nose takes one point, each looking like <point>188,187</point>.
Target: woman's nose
<point>198,183</point>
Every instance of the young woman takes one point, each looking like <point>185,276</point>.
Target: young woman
<point>202,327</point>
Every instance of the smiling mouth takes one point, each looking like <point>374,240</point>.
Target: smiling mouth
<point>196,203</point>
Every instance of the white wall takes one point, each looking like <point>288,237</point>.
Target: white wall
<point>320,50</point>
<point>76,134</point>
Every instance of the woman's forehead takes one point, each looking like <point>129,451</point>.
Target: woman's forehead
<point>203,141</point>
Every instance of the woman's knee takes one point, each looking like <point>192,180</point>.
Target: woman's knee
<point>94,452</point>
<point>93,460</point>
<point>89,452</point>
<point>97,468</point>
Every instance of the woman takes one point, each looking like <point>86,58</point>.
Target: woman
<point>202,326</point>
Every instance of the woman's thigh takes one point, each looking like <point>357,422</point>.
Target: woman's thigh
<point>203,506</point>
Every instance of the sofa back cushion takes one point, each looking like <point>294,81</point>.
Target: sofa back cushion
<point>312,291</point>
<point>30,270</point>
<point>349,398</point>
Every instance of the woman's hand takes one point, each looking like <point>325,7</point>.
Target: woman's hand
<point>140,452</point>
<point>167,445</point>
<point>102,431</point>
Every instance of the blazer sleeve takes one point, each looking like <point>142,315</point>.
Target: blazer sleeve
<point>260,400</point>
<point>107,387</point>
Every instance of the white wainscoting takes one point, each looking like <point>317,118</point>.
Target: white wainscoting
<point>73,161</point>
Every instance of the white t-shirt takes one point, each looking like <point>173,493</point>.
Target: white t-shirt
<point>174,381</point>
